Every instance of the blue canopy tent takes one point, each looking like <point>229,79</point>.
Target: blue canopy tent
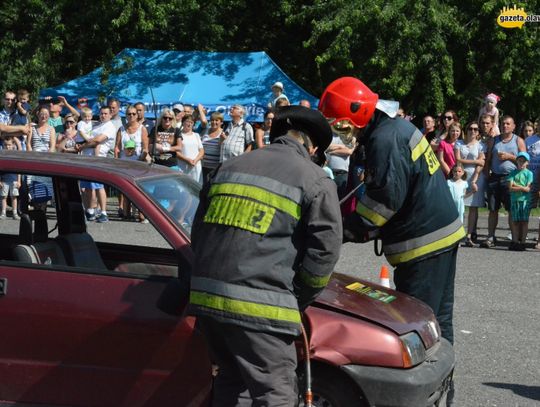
<point>217,80</point>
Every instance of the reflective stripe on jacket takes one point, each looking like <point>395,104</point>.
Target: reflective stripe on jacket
<point>406,193</point>
<point>266,236</point>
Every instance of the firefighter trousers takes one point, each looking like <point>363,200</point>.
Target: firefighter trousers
<point>255,368</point>
<point>432,281</point>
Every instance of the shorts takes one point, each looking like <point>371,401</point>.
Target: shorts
<point>497,192</point>
<point>91,185</point>
<point>9,189</point>
<point>520,211</point>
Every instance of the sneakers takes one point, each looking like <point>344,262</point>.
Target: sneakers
<point>90,216</point>
<point>3,215</point>
<point>488,243</point>
<point>15,216</point>
<point>102,218</point>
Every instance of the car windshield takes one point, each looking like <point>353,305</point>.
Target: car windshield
<point>178,195</point>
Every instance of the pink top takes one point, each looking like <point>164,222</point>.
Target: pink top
<point>448,153</point>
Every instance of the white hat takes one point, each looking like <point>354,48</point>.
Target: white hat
<point>278,85</point>
<point>178,106</point>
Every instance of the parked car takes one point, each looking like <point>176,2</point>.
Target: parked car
<point>80,316</point>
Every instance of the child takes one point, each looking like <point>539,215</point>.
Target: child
<point>519,185</point>
<point>458,188</point>
<point>129,150</point>
<point>84,127</point>
<point>490,107</point>
<point>277,94</point>
<point>9,183</point>
<point>23,108</point>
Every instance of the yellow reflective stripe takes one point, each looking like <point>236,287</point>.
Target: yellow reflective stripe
<point>241,213</point>
<point>374,217</point>
<point>426,249</point>
<point>262,195</point>
<point>419,149</point>
<point>244,307</point>
<point>314,281</point>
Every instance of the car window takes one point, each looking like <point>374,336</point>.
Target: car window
<point>178,195</point>
<point>117,240</point>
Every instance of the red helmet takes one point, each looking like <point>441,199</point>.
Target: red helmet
<point>348,98</point>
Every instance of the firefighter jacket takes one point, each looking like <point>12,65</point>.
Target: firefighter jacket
<point>266,236</point>
<point>407,197</point>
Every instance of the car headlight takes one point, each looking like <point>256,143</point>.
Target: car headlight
<point>412,349</point>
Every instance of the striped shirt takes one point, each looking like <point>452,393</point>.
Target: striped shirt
<point>212,151</point>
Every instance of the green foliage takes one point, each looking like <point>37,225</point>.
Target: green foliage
<point>429,55</point>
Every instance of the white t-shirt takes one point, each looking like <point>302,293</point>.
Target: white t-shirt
<point>109,130</point>
<point>86,128</point>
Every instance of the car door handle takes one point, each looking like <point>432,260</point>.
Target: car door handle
<point>3,286</point>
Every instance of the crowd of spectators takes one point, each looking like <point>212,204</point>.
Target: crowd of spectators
<point>479,160</point>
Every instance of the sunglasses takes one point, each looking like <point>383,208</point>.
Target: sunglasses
<point>448,117</point>
<point>167,118</point>
<point>473,128</point>
<point>9,99</point>
<point>131,114</point>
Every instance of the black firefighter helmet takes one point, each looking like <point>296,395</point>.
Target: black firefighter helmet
<point>308,121</point>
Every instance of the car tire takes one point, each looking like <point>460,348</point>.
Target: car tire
<point>331,388</point>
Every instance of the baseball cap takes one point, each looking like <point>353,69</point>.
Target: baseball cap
<point>278,85</point>
<point>524,155</point>
<point>130,144</point>
<point>178,106</point>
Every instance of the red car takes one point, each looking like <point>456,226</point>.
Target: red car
<point>79,302</point>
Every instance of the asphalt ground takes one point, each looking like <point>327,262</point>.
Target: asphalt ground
<point>496,316</point>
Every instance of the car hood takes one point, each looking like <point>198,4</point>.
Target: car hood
<point>383,306</point>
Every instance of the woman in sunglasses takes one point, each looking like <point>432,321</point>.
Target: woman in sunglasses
<point>470,152</point>
<point>66,139</point>
<point>166,141</point>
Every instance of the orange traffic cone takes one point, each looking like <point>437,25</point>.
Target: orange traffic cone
<point>384,277</point>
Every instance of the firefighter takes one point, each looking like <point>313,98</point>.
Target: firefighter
<point>407,204</point>
<point>266,236</point>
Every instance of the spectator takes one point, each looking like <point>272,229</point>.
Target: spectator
<point>22,110</point>
<point>449,117</point>
<point>188,109</point>
<point>486,128</point>
<point>305,103</point>
<point>282,102</point>
<point>179,113</point>
<point>114,106</point>
<point>101,143</point>
<point>43,136</point>
<point>489,107</point>
<point>9,184</point>
<point>532,144</point>
<point>400,113</point>
<point>277,94</point>
<point>458,188</point>
<point>527,130</point>
<point>192,150</point>
<point>212,144</point>
<point>166,141</point>
<point>238,136</point>
<point>84,127</point>
<point>471,154</point>
<point>133,131</point>
<point>429,125</point>
<point>55,110</point>
<point>262,134</point>
<point>500,162</point>
<point>338,155</point>
<point>6,115</point>
<point>67,141</point>
<point>445,153</point>
<point>519,184</point>
<point>141,110</point>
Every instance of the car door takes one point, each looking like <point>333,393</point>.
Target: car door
<point>84,339</point>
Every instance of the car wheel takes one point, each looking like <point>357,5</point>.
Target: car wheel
<point>331,388</point>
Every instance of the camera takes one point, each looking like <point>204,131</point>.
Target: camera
<point>49,99</point>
